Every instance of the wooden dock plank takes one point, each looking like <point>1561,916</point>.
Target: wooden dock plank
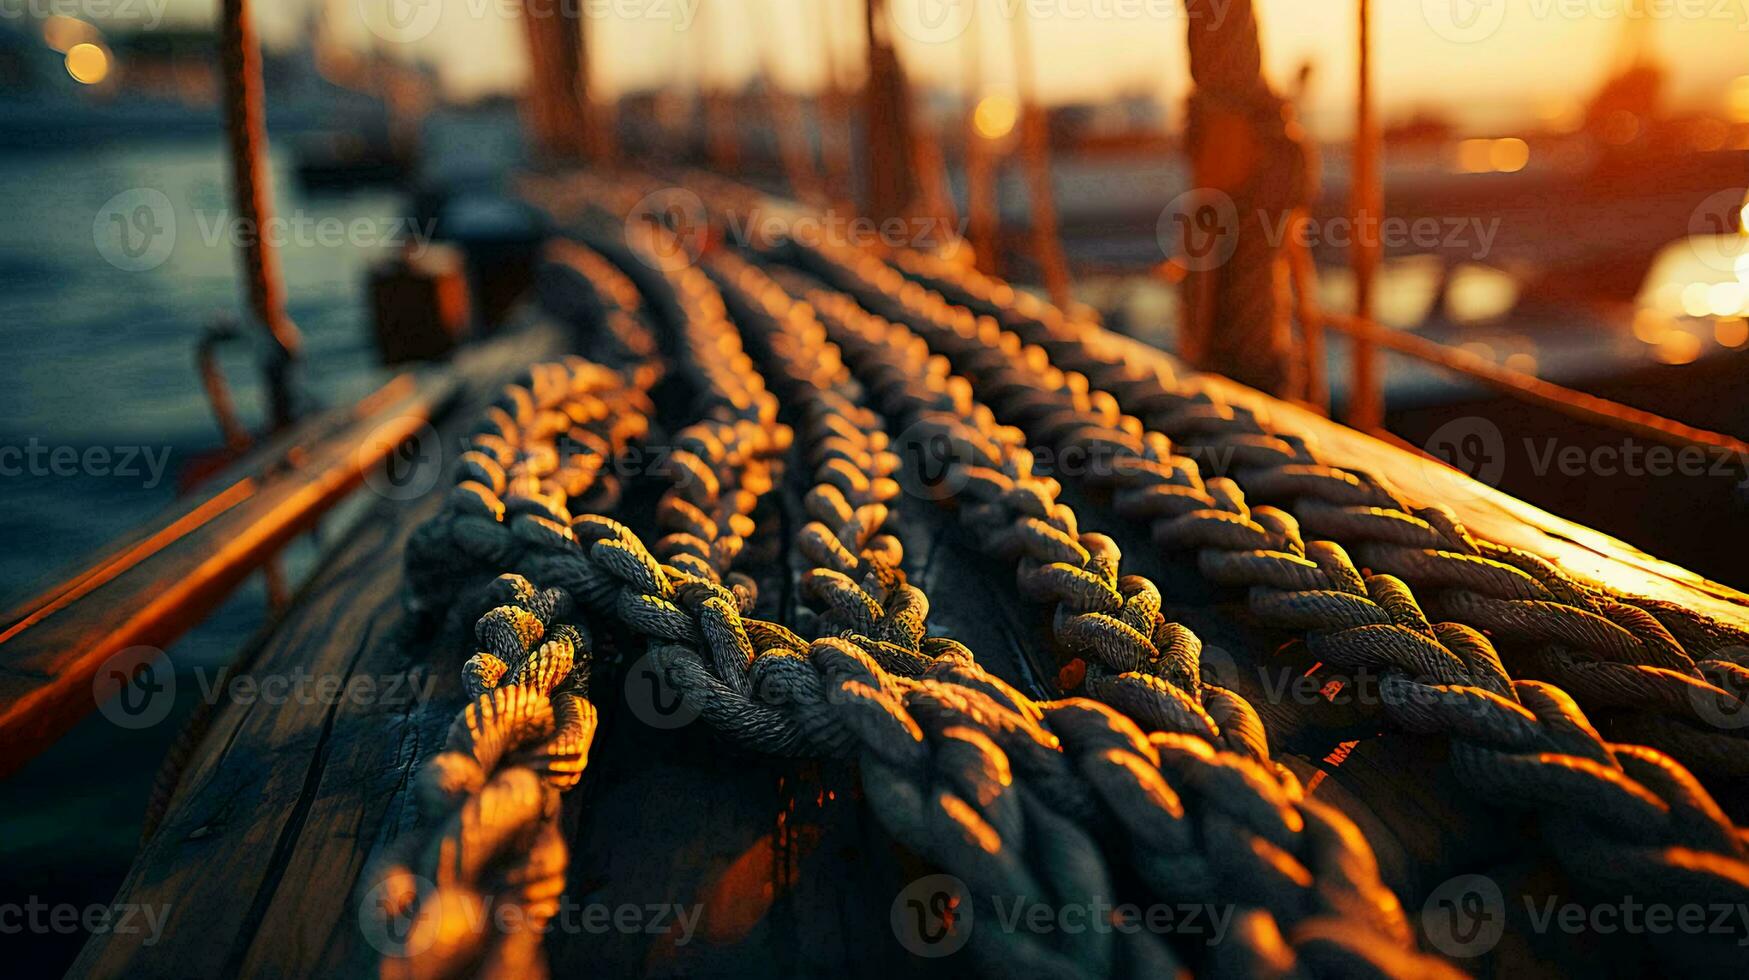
<point>280,803</point>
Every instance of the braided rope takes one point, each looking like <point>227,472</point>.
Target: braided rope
<point>1273,796</point>
<point>1611,651</point>
<point>1524,744</point>
<point>494,853</point>
<point>491,853</point>
<point>988,784</point>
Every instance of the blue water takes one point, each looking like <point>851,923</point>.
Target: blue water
<point>101,357</point>
<point>97,360</point>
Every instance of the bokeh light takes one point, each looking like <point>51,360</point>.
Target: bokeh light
<point>88,63</point>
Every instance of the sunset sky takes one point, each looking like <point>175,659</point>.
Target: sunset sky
<point>1486,62</point>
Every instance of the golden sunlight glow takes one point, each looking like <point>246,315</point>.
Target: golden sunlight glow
<point>1509,155</point>
<point>88,63</point>
<point>1650,325</point>
<point>1678,347</point>
<point>1738,100</point>
<point>62,33</point>
<point>1725,298</point>
<point>1695,299</point>
<point>1486,156</point>
<point>1522,361</point>
<point>995,116</point>
<point>1473,156</point>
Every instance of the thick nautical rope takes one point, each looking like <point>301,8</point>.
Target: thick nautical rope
<point>1522,744</point>
<point>1138,660</point>
<point>1260,791</point>
<point>489,846</point>
<point>550,443</point>
<point>716,619</point>
<point>478,886</point>
<point>959,767</point>
<point>854,575</point>
<point>1612,652</point>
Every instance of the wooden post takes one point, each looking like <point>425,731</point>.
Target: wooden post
<point>1036,138</point>
<point>252,196</point>
<point>1366,410</point>
<point>558,87</point>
